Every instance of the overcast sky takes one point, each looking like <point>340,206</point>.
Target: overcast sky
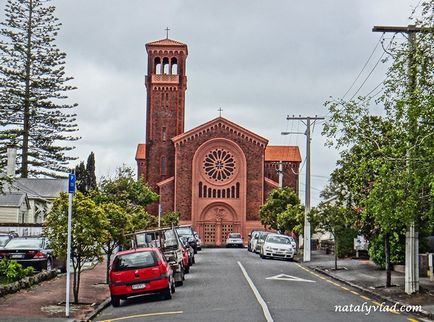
<point>258,60</point>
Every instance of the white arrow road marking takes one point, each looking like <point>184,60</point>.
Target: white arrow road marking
<point>284,277</point>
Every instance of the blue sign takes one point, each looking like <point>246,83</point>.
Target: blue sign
<point>71,184</point>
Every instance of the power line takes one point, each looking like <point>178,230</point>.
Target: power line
<point>364,66</point>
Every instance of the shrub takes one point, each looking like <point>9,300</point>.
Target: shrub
<point>397,249</point>
<point>13,271</point>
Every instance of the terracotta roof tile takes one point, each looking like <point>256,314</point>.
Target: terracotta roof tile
<point>141,152</point>
<point>166,42</point>
<point>282,153</point>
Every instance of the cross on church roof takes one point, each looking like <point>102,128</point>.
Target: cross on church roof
<point>167,32</point>
<point>220,111</point>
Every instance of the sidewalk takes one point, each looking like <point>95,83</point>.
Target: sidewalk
<point>365,275</point>
<point>47,300</point>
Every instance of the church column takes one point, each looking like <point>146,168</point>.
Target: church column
<point>218,232</point>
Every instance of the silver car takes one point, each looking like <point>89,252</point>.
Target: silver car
<point>234,239</point>
<point>277,246</point>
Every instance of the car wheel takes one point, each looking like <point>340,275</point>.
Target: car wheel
<point>49,264</point>
<point>116,301</point>
<point>172,286</point>
<point>167,294</point>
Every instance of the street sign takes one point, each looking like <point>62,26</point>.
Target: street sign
<point>71,183</point>
<point>289,278</point>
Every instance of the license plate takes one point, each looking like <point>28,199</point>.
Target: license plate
<point>138,286</point>
<point>17,256</point>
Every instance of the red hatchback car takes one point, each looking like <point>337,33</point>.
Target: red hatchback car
<point>140,271</point>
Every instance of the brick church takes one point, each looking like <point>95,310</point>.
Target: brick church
<point>216,175</point>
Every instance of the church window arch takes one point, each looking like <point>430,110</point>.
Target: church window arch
<point>174,66</point>
<point>163,169</point>
<point>214,193</point>
<point>224,193</point>
<point>200,189</point>
<point>166,66</point>
<point>209,192</point>
<point>218,193</point>
<point>157,65</point>
<point>164,134</point>
<point>237,190</point>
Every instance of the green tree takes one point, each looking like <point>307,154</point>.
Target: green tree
<point>130,194</point>
<point>282,211</point>
<point>34,116</point>
<point>392,177</point>
<point>89,232</point>
<point>334,219</point>
<point>86,177</point>
<point>170,219</point>
<point>119,224</point>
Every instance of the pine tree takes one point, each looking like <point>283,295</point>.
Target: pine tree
<point>90,172</point>
<point>33,114</point>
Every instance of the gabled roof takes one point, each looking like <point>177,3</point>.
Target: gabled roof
<point>166,42</point>
<point>13,199</point>
<point>141,152</point>
<point>282,153</point>
<point>40,187</point>
<point>220,122</point>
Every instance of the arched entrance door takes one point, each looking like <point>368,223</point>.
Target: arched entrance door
<point>216,222</point>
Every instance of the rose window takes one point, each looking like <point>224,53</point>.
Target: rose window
<point>219,165</point>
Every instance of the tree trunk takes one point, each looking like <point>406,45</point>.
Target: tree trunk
<point>336,254</point>
<point>26,120</point>
<point>109,255</point>
<point>387,260</point>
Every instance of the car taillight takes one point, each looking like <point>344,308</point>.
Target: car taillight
<point>39,255</point>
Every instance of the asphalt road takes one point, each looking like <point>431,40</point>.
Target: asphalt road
<point>235,285</point>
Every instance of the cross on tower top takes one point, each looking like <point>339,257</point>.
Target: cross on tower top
<point>167,32</point>
<point>220,111</point>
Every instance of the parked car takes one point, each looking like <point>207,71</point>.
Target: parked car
<point>5,238</point>
<point>198,240</point>
<point>278,246</point>
<point>189,250</point>
<point>168,241</point>
<point>32,251</point>
<point>252,241</point>
<point>260,241</point>
<point>234,240</point>
<point>187,231</point>
<point>140,271</point>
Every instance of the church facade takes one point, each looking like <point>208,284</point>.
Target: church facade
<point>216,175</point>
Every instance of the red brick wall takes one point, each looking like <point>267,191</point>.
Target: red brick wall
<point>166,196</point>
<point>290,178</point>
<point>184,157</point>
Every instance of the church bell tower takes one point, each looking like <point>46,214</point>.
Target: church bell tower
<point>166,84</point>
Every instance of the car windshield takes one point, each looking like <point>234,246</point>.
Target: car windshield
<point>183,231</point>
<point>170,238</point>
<point>25,243</point>
<point>135,260</point>
<point>278,240</point>
<point>233,235</point>
<point>4,240</point>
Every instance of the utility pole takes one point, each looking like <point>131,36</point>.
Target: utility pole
<point>306,233</point>
<point>280,173</point>
<point>411,236</point>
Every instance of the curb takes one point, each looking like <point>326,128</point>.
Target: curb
<point>98,309</point>
<point>422,312</point>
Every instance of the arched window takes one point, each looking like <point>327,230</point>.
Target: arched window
<point>218,193</point>
<point>233,192</point>
<point>163,169</point>
<point>228,192</point>
<point>204,191</point>
<point>238,190</point>
<point>214,193</point>
<point>164,134</point>
<point>200,189</point>
<point>209,192</point>
<point>166,66</point>
<point>174,64</point>
<point>157,65</point>
<point>224,193</point>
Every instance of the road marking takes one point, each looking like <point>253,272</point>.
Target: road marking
<point>284,277</point>
<point>144,315</point>
<point>365,297</point>
<point>258,296</point>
